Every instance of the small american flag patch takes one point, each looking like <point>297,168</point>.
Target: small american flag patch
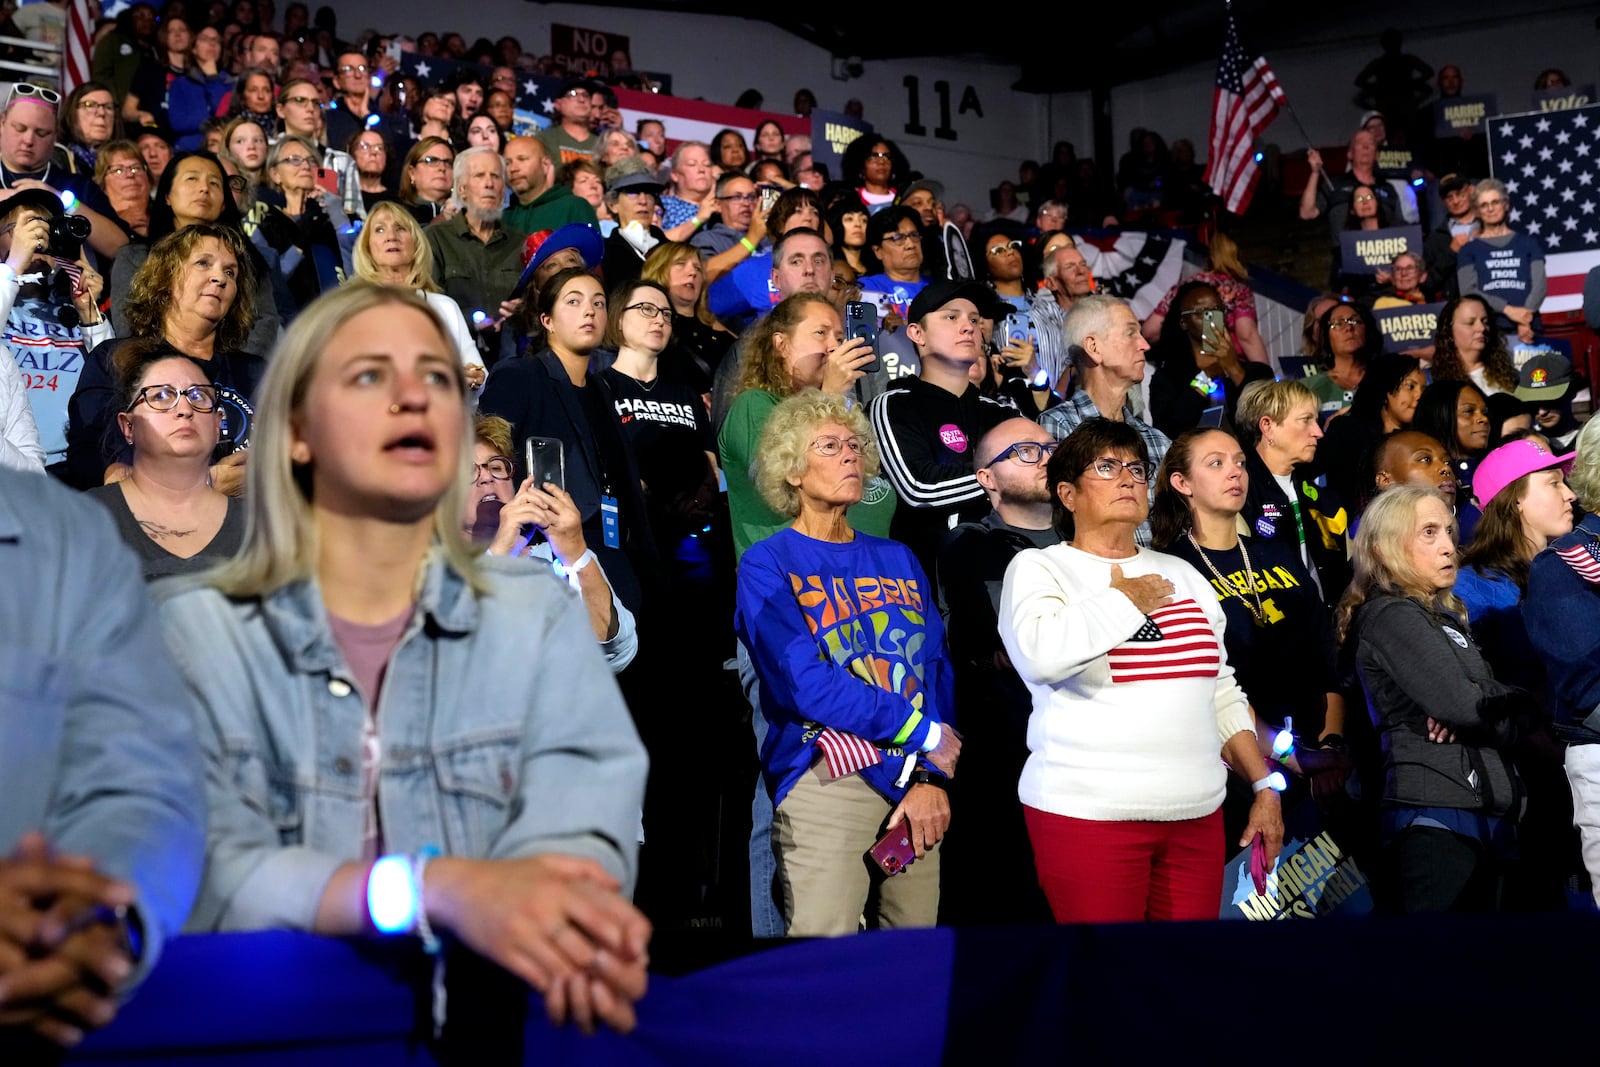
<point>1184,646</point>
<point>1583,558</point>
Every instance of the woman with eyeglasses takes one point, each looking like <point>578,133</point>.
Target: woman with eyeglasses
<point>650,404</point>
<point>1514,260</point>
<point>196,294</point>
<point>302,229</point>
<point>1198,367</point>
<point>200,92</point>
<point>391,250</point>
<point>89,120</point>
<point>426,180</point>
<point>855,683</point>
<point>194,189</point>
<point>877,168</point>
<point>371,154</point>
<point>1348,339</point>
<point>541,522</point>
<point>699,341</point>
<point>1134,700</point>
<point>300,109</point>
<point>166,508</point>
<point>120,172</point>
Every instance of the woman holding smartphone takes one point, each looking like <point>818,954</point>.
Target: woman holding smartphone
<point>464,786</point>
<point>1197,365</point>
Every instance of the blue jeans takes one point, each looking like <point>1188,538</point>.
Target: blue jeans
<point>765,918</point>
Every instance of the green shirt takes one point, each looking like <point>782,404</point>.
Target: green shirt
<point>1331,396</point>
<point>753,518</point>
<point>553,208</point>
<point>477,276</point>
<point>563,148</point>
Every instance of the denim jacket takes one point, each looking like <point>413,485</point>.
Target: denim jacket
<point>503,736</point>
<point>97,747</point>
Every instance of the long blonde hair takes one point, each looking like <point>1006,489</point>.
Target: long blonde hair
<point>1382,563</point>
<point>421,274</point>
<point>280,538</point>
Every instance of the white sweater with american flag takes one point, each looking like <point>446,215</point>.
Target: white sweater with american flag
<point>1129,712</point>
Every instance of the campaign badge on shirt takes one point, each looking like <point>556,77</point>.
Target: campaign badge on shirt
<point>953,437</point>
<point>1455,635</point>
<point>1266,527</point>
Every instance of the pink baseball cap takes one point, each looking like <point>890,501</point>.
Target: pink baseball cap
<point>1509,462</point>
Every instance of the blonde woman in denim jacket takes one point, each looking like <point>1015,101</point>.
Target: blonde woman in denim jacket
<point>388,693</point>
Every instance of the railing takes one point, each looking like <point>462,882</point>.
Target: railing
<point>10,68</point>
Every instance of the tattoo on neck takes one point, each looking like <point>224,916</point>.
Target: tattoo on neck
<point>157,532</point>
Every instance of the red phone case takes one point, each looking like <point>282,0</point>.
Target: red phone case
<point>894,850</point>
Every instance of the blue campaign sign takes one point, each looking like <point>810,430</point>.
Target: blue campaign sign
<point>1314,876</point>
<point>1369,251</point>
<point>1457,114</point>
<point>1407,328</point>
<point>831,134</point>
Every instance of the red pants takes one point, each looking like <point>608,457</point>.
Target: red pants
<point>1112,872</point>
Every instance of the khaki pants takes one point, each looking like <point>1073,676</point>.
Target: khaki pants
<point>821,833</point>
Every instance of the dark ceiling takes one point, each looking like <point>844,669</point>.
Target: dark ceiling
<point>1066,47</point>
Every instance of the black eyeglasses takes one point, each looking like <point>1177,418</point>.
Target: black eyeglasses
<point>1009,246</point>
<point>1030,452</point>
<point>743,198</point>
<point>1108,468</point>
<point>647,309</point>
<point>436,161</point>
<point>202,398</point>
<point>499,468</point>
<point>898,236</point>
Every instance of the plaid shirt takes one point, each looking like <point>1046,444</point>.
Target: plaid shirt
<point>1070,414</point>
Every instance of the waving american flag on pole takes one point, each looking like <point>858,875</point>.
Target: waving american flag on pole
<point>75,49</point>
<point>1246,99</point>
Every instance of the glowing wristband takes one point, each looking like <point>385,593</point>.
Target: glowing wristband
<point>393,894</point>
<point>748,247</point>
<point>1283,745</point>
<point>1271,781</point>
<point>419,864</point>
<point>935,735</point>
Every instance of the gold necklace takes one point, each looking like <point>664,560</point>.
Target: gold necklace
<point>1257,612</point>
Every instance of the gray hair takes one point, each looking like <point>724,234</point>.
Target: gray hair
<point>459,174</point>
<point>275,154</point>
<point>1413,257</point>
<point>677,153</point>
<point>1490,185</point>
<point>1089,315</point>
<point>1585,477</point>
<point>785,447</point>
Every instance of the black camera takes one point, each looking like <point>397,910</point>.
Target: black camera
<point>67,234</point>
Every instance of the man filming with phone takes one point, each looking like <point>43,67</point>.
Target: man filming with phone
<point>739,233</point>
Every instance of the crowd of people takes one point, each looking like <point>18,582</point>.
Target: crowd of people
<point>525,505</point>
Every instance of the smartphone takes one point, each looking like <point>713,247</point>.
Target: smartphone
<point>545,461</point>
<point>392,49</point>
<point>894,850</point>
<point>861,320</point>
<point>769,196</point>
<point>1212,417</point>
<point>1019,328</point>
<point>328,180</point>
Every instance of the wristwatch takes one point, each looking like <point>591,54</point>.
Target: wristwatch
<point>1334,741</point>
<point>926,777</point>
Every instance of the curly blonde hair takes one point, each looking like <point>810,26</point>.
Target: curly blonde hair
<point>1585,477</point>
<point>785,448</point>
<point>151,292</point>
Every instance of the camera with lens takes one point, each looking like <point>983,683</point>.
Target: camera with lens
<point>67,234</point>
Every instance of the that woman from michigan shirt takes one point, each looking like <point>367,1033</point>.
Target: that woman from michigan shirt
<point>1133,700</point>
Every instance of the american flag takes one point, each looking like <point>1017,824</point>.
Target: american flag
<point>1246,99</point>
<point>846,753</point>
<point>1583,558</point>
<point>75,49</point>
<point>1550,163</point>
<point>1136,266</point>
<point>535,104</point>
<point>1176,641</point>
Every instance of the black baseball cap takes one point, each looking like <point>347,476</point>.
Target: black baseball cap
<point>1452,183</point>
<point>936,295</point>
<point>1544,378</point>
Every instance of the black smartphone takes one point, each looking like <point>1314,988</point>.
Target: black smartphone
<point>861,320</point>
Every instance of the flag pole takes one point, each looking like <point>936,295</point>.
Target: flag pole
<point>1326,181</point>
